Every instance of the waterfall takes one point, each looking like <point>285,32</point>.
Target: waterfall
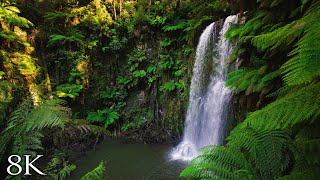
<point>206,117</point>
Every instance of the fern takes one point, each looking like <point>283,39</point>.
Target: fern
<point>168,86</point>
<point>283,36</point>
<point>180,25</point>
<point>68,90</point>
<point>10,15</point>
<point>53,17</point>
<point>139,73</point>
<point>58,168</point>
<point>9,35</point>
<point>244,33</point>
<point>281,140</point>
<point>292,109</point>
<point>251,81</point>
<point>166,42</point>
<point>158,20</point>
<point>106,116</point>
<point>96,174</point>
<point>18,21</point>
<point>307,161</point>
<point>247,155</point>
<point>72,36</point>
<point>311,174</point>
<point>304,63</point>
<point>23,132</point>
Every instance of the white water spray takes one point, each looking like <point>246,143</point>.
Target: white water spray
<point>206,117</point>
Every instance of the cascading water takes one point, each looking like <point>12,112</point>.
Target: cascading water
<point>206,117</point>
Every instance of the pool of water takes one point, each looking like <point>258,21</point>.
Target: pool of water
<point>130,162</point>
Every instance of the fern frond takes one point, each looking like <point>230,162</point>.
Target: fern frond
<point>282,36</point>
<point>96,174</point>
<point>298,107</point>
<point>304,65</point>
<point>55,16</point>
<point>251,80</point>
<point>250,153</point>
<point>180,25</point>
<point>310,174</point>
<point>243,33</point>
<point>264,148</point>
<point>18,21</point>
<point>9,35</point>
<point>72,36</point>
<point>23,132</point>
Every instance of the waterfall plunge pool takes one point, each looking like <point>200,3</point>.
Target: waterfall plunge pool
<point>127,161</point>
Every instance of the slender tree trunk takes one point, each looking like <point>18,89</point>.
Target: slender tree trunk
<point>120,8</point>
<point>149,6</point>
<point>45,71</point>
<point>57,68</point>
<point>33,90</point>
<point>115,9</point>
<point>48,81</point>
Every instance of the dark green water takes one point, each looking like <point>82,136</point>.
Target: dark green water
<point>130,162</point>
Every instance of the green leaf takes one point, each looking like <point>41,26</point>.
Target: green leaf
<point>168,86</point>
<point>140,73</point>
<point>96,174</point>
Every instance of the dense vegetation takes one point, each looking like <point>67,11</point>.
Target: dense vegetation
<point>76,71</point>
<point>279,73</point>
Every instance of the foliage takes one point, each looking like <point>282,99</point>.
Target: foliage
<point>136,123</point>
<point>284,110</point>
<point>68,90</point>
<point>10,15</point>
<point>140,73</point>
<point>96,174</point>
<point>98,56</point>
<point>105,116</point>
<point>22,134</point>
<point>249,154</point>
<point>54,170</point>
<point>280,140</point>
<point>73,36</point>
<point>251,81</point>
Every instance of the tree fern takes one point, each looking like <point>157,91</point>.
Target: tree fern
<point>243,33</point>
<point>301,106</point>
<point>309,174</point>
<point>281,140</point>
<point>251,80</point>
<point>307,160</point>
<point>304,63</point>
<point>72,36</point>
<point>255,154</point>
<point>96,174</point>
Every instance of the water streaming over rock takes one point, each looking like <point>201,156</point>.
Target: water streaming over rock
<point>206,117</point>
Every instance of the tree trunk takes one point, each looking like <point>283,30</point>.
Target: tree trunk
<point>115,9</point>
<point>33,90</point>
<point>45,71</point>
<point>120,8</point>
